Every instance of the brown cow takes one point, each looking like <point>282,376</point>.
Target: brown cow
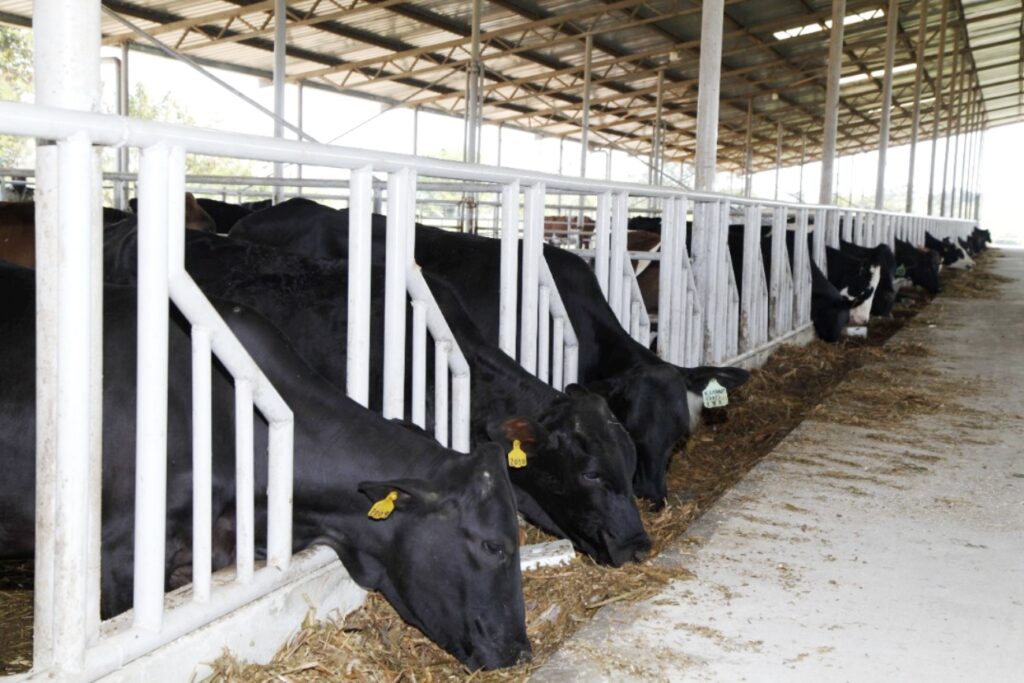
<point>18,227</point>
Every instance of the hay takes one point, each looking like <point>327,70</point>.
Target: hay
<point>973,284</point>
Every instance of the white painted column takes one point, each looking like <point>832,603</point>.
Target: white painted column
<point>473,89</point>
<point>892,18</point>
<point>585,124</point>
<point>708,90</point>
<point>937,105</point>
<point>68,341</point>
<point>748,180</point>
<point>915,125</point>
<point>280,43</point>
<point>778,157</point>
<point>831,123</point>
<point>957,71</point>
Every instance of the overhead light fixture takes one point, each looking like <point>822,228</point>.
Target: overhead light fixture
<point>877,73</point>
<point>817,27</point>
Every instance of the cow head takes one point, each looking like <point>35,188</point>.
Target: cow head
<point>577,478</point>
<point>447,557</point>
<point>860,293</point>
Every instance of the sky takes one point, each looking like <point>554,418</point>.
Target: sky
<point>356,122</point>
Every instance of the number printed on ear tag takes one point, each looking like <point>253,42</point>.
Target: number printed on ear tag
<point>516,456</point>
<point>383,508</point>
<point>715,395</point>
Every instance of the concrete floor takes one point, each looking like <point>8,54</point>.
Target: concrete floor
<point>894,552</point>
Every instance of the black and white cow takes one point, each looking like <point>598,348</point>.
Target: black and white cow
<point>953,255</point>
<point>446,558</point>
<point>882,257</point>
<point>856,280</point>
<point>920,266</point>
<point>577,482</point>
<point>658,403</point>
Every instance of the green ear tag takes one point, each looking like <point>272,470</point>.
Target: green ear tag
<point>383,508</point>
<point>715,395</point>
<point>516,456</point>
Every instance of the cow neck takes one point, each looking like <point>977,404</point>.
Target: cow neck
<point>503,388</point>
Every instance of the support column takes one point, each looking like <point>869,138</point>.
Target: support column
<point>749,166</point>
<point>803,161</point>
<point>709,87</point>
<point>937,106</point>
<point>915,125</point>
<point>280,65</point>
<point>954,182</point>
<point>657,161</point>
<point>892,19</point>
<point>585,125</point>
<point>957,66</point>
<point>831,123</point>
<point>300,97</point>
<point>69,345</point>
<point>778,156</point>
<point>121,191</point>
<point>472,134</point>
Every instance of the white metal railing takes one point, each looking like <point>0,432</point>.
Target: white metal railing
<point>702,317</point>
<point>93,648</point>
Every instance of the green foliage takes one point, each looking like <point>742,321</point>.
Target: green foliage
<point>15,85</point>
<point>142,105</point>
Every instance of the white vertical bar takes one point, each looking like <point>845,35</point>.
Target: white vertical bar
<point>634,319</point>
<point>775,312</point>
<point>279,493</point>
<point>360,240</point>
<point>151,406</point>
<point>460,413</point>
<point>509,268</point>
<point>620,220</point>
<point>666,271</point>
<point>922,25</point>
<point>245,518</point>
<point>801,269</point>
<point>543,332</point>
<point>682,274</point>
<point>751,254</point>
<point>558,353</point>
<point>624,308</point>
<point>441,417</point>
<point>400,185</point>
<point>533,235</point>
<point>588,52</point>
<point>572,356</point>
<point>719,243</point>
<point>419,364</point>
<point>602,237</point>
<point>202,468</point>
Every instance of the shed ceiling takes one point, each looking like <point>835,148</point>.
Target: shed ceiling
<point>416,54</point>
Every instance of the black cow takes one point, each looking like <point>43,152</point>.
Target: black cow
<point>830,310</point>
<point>978,239</point>
<point>577,483</point>
<point>921,266</point>
<point>953,256</point>
<point>196,218</point>
<point>882,257</point>
<point>224,215</point>
<point>446,559</point>
<point>656,402</point>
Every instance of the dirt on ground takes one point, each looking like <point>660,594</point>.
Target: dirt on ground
<point>374,644</point>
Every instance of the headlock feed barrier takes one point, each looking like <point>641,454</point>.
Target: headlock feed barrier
<point>701,318</point>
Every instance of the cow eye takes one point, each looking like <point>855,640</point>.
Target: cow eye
<point>592,476</point>
<point>494,548</point>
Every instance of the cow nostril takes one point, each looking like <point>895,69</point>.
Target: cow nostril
<point>524,657</point>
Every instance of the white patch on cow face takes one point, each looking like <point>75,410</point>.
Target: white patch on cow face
<point>965,262</point>
<point>902,282</point>
<point>695,402</point>
<point>862,313</point>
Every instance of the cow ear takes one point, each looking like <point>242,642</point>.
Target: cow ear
<point>518,428</point>
<point>399,495</point>
<point>577,391</point>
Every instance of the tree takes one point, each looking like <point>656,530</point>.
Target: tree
<point>15,85</point>
<point>167,109</point>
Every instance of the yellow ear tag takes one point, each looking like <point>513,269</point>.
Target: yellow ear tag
<point>516,456</point>
<point>383,508</point>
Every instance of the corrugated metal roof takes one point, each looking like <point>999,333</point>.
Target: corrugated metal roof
<point>417,52</point>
